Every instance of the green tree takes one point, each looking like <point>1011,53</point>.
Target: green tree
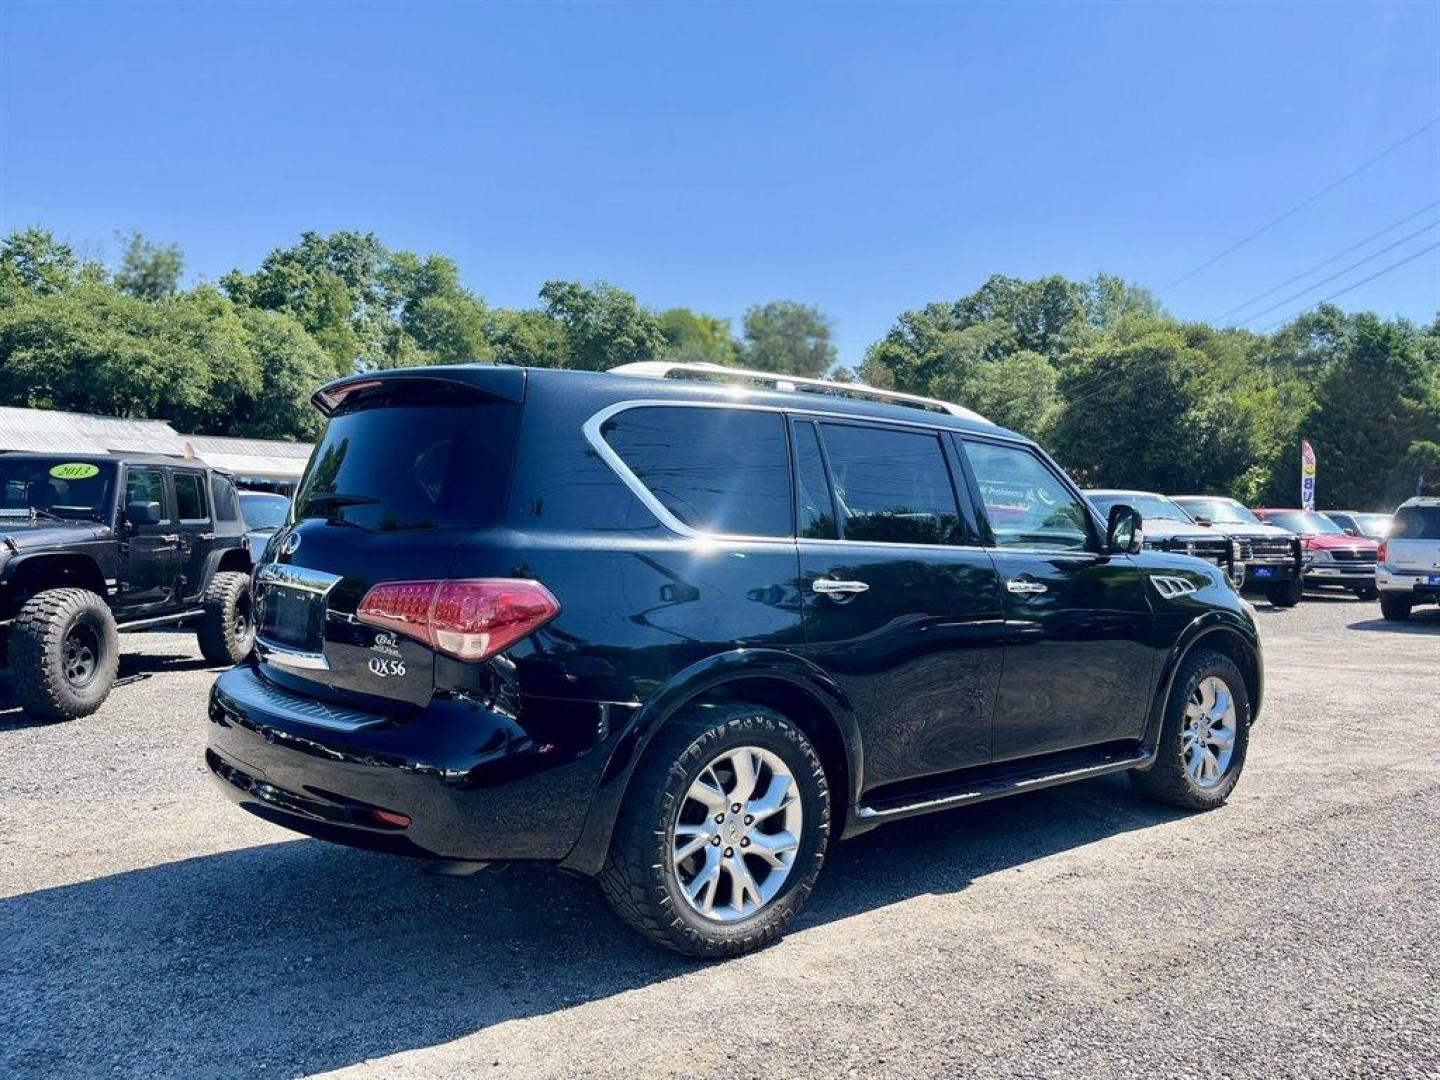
<point>691,337</point>
<point>788,337</point>
<point>604,326</point>
<point>527,337</point>
<point>149,271</point>
<point>33,262</point>
<point>292,366</point>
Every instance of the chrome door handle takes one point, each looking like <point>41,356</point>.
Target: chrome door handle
<point>1021,586</point>
<point>169,538</point>
<point>831,587</point>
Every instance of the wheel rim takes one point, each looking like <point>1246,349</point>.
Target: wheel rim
<point>736,835</point>
<point>242,624</point>
<point>80,655</point>
<point>1207,743</point>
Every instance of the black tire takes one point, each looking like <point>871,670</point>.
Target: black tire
<point>1367,592</point>
<point>1168,780</point>
<point>64,652</point>
<point>227,630</point>
<point>639,879</point>
<point>1395,608</point>
<point>1286,593</point>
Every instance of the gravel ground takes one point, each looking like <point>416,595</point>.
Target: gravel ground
<point>148,927</point>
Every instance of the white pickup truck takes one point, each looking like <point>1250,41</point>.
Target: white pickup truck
<point>1408,571</point>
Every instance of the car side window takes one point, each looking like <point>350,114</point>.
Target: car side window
<point>190,497</point>
<point>717,470</point>
<point>816,507</point>
<point>146,486</point>
<point>891,486</point>
<point>1026,504</point>
<point>222,497</point>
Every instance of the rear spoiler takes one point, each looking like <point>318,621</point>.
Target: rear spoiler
<point>502,383</point>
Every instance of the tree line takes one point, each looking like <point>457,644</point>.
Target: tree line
<point>1123,393</point>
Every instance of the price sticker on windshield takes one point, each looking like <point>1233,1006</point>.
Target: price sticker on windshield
<point>74,470</point>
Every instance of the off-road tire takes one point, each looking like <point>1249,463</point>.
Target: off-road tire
<point>1286,593</point>
<point>37,643</point>
<point>638,879</point>
<point>1393,607</point>
<point>1167,780</point>
<point>221,641</point>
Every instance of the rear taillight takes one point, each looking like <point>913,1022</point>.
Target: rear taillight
<point>1380,554</point>
<point>470,619</point>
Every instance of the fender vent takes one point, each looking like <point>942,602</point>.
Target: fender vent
<point>1172,587</point>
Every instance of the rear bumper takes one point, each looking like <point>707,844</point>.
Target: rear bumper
<point>1350,575</point>
<point>474,782</point>
<point>1414,585</point>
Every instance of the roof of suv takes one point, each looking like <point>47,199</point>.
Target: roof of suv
<point>119,455</point>
<point>1421,500</point>
<point>514,382</point>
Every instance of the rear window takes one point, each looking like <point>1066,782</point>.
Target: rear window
<point>412,462</point>
<point>1416,523</point>
<point>716,470</point>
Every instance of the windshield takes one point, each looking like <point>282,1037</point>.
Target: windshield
<point>263,511</point>
<point>1304,522</point>
<point>1376,525</point>
<point>1220,510</point>
<point>55,487</point>
<point>409,462</point>
<point>1151,507</point>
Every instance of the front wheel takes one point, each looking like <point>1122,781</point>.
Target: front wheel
<point>1286,593</point>
<point>227,630</point>
<point>722,833</point>
<point>1203,737</point>
<point>1394,607</point>
<point>64,652</point>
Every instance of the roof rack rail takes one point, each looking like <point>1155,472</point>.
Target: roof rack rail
<point>664,369</point>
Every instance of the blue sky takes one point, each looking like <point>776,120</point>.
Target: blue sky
<point>866,159</point>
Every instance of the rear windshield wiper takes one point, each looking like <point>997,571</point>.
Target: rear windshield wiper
<point>328,502</point>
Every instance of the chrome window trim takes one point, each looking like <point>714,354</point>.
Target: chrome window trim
<point>592,431</point>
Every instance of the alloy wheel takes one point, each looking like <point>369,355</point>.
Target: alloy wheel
<point>1207,742</point>
<point>737,834</point>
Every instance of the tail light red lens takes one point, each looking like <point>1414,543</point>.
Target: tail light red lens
<point>1380,555</point>
<point>469,619</point>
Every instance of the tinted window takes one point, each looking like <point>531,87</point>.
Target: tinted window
<point>717,470</point>
<point>190,497</point>
<point>145,486</point>
<point>1026,503</point>
<point>408,464</point>
<point>222,497</point>
<point>891,486</point>
<point>1416,523</point>
<point>816,509</point>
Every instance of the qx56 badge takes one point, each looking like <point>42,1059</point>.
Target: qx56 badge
<point>389,662</point>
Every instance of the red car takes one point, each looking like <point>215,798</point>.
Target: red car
<point>1334,556</point>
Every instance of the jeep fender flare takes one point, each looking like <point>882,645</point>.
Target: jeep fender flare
<point>1217,628</point>
<point>737,665</point>
<point>75,568</point>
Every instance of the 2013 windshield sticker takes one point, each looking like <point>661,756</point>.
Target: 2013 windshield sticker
<point>74,470</point>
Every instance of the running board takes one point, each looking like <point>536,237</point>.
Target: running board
<point>161,620</point>
<point>1046,773</point>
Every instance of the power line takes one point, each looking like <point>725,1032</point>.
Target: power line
<point>1341,272</point>
<point>1302,205</point>
<point>1363,281</point>
<point>1320,265</point>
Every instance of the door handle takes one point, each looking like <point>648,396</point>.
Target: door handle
<point>204,536</point>
<point>1025,586</point>
<point>831,587</point>
<point>169,538</point>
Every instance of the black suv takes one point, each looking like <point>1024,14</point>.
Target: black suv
<point>93,545</point>
<point>678,633</point>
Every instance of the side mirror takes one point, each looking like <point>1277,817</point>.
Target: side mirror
<point>142,513</point>
<point>1352,532</point>
<point>1122,533</point>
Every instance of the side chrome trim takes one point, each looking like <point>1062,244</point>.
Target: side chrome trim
<point>282,656</point>
<point>296,577</point>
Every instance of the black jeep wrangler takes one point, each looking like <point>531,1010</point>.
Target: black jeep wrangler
<point>677,633</point>
<point>92,545</point>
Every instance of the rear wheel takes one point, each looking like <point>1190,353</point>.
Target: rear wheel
<point>1203,738</point>
<point>64,652</point>
<point>722,833</point>
<point>1394,607</point>
<point>1286,593</point>
<point>227,629</point>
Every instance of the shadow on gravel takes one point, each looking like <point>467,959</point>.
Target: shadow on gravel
<point>134,668</point>
<point>1421,621</point>
<point>299,957</point>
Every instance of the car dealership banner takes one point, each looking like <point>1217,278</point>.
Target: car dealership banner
<point>1307,475</point>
